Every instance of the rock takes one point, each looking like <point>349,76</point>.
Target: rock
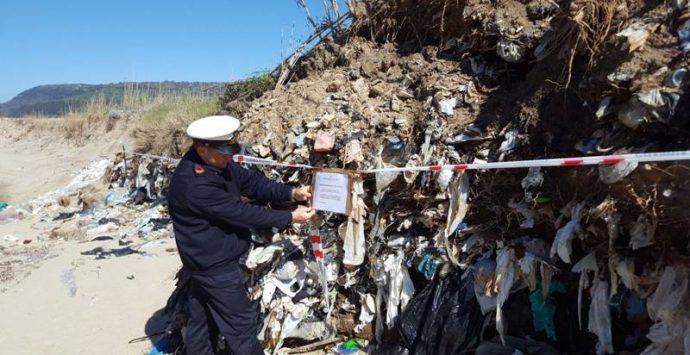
<point>430,53</point>
<point>395,105</point>
<point>394,74</point>
<point>377,90</point>
<point>333,87</point>
<point>404,95</point>
<point>370,69</point>
<point>361,87</point>
<point>262,150</point>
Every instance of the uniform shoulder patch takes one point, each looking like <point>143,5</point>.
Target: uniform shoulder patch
<point>199,169</point>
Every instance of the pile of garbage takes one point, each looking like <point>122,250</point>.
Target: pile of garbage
<point>120,215</point>
<point>571,259</point>
<point>562,259</point>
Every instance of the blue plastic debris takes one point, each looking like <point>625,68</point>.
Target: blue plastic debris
<point>543,310</point>
<point>461,226</point>
<point>396,143</point>
<point>684,36</point>
<point>635,308</point>
<point>676,78</point>
<point>428,266</point>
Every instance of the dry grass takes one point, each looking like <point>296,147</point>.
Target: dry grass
<point>421,22</point>
<point>158,118</point>
<point>80,125</point>
<point>590,24</point>
<point>161,129</point>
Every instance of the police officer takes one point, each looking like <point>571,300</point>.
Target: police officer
<point>211,226</point>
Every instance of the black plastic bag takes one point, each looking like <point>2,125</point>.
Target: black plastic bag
<point>444,318</point>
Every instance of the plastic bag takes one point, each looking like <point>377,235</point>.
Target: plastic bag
<point>394,286</point>
<point>505,278</point>
<point>669,307</point>
<point>353,232</point>
<point>528,216</point>
<point>484,271</point>
<point>642,233</point>
<point>669,295</point>
<point>584,266</point>
<point>600,316</point>
<point>562,244</point>
<point>367,311</point>
<point>261,255</point>
<point>459,191</point>
<point>532,182</point>
<point>444,318</point>
<point>544,309</point>
<point>383,180</point>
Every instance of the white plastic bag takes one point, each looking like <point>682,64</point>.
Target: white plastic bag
<point>600,316</point>
<point>354,245</point>
<point>562,244</point>
<point>459,191</point>
<point>505,278</point>
<point>584,266</point>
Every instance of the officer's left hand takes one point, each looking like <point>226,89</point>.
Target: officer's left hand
<point>302,193</point>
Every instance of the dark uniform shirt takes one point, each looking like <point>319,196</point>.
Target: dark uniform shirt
<point>211,223</point>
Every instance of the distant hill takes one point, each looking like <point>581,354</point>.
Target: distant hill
<point>55,100</point>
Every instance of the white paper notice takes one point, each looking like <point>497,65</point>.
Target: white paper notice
<point>331,192</point>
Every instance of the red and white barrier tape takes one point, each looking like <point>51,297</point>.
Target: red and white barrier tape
<point>269,162</point>
<point>316,246</point>
<point>317,249</point>
<point>541,163</point>
<point>152,156</point>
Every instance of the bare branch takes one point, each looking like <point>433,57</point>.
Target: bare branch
<point>336,9</point>
<point>310,18</point>
<point>287,67</point>
<point>327,11</point>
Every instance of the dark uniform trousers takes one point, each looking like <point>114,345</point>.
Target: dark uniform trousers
<point>221,299</point>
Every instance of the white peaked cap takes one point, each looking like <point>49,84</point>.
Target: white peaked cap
<point>214,128</point>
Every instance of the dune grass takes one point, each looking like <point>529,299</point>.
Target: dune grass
<point>161,129</point>
<point>156,119</point>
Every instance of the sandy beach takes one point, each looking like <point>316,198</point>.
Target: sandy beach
<point>53,299</point>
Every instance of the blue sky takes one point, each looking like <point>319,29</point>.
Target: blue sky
<point>104,41</point>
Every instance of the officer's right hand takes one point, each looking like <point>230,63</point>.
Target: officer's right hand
<point>302,214</point>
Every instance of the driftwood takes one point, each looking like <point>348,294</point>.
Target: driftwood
<point>314,346</point>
